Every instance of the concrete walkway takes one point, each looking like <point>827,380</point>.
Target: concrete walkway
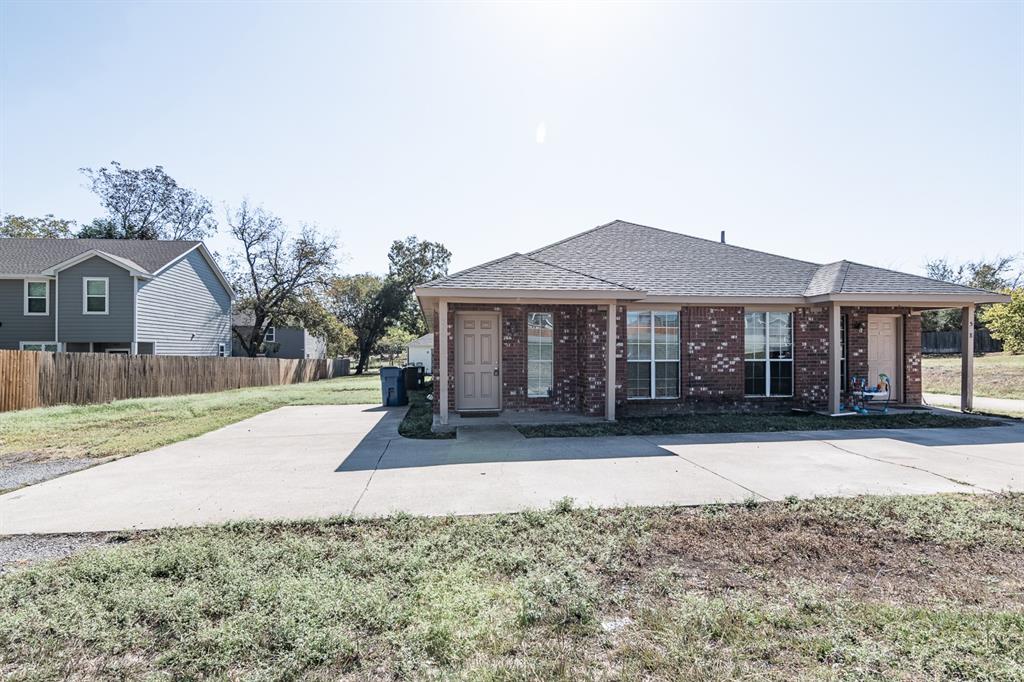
<point>303,462</point>
<point>994,405</point>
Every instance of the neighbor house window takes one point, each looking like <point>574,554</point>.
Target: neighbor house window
<point>95,292</point>
<point>768,345</point>
<point>540,354</point>
<point>47,346</point>
<point>222,350</point>
<point>652,354</point>
<point>271,335</point>
<point>37,297</point>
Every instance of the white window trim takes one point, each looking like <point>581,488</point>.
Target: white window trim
<point>653,361</point>
<point>551,362</point>
<point>768,359</point>
<point>222,350</point>
<point>85,295</point>
<point>47,299</point>
<point>22,344</point>
<point>271,334</point>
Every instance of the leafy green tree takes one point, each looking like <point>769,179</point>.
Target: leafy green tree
<point>414,262</point>
<point>146,204</point>
<point>394,341</point>
<point>367,304</point>
<point>990,275</point>
<point>1006,321</point>
<point>45,227</point>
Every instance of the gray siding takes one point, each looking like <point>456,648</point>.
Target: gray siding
<point>292,342</point>
<point>185,310</point>
<point>15,325</point>
<point>117,325</point>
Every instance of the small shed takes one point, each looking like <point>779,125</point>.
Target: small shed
<point>421,352</point>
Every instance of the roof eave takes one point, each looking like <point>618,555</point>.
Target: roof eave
<point>915,298</point>
<point>553,294</point>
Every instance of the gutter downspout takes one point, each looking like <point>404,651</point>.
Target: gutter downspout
<point>135,315</point>
<point>56,309</point>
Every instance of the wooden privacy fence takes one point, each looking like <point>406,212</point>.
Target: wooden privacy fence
<point>33,379</point>
<point>949,342</point>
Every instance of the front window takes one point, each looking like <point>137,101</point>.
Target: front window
<point>768,346</point>
<point>540,350</point>
<point>48,347</point>
<point>37,298</point>
<point>652,354</point>
<point>94,294</point>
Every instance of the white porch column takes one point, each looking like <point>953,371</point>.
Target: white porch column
<point>967,358</point>
<point>609,382</point>
<point>442,331</point>
<point>834,349</point>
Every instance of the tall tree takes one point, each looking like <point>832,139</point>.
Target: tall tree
<point>992,275</point>
<point>146,204</point>
<point>276,276</point>
<point>367,304</point>
<point>413,262</point>
<point>47,226</point>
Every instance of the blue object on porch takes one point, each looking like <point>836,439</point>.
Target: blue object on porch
<point>392,386</point>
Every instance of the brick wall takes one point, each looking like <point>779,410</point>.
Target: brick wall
<point>711,359</point>
<point>580,337</point>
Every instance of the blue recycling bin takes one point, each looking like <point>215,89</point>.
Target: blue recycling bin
<point>392,386</point>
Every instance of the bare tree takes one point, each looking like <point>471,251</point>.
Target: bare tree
<point>275,273</point>
<point>146,204</point>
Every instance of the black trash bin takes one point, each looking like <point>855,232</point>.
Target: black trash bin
<point>414,377</point>
<point>392,386</point>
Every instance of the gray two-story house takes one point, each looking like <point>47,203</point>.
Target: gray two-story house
<point>113,296</point>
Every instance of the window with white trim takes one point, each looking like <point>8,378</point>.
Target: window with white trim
<point>222,350</point>
<point>95,295</point>
<point>652,354</point>
<point>271,335</point>
<point>768,347</point>
<point>46,346</point>
<point>843,342</point>
<point>37,297</point>
<point>540,354</point>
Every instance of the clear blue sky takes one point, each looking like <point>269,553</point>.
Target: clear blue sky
<point>885,133</point>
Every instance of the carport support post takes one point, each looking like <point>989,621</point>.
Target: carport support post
<point>834,352</point>
<point>967,358</point>
<point>442,331</point>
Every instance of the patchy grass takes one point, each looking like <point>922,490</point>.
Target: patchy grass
<point>419,420</point>
<point>750,423</point>
<point>126,427</point>
<point>881,588</point>
<point>996,375</point>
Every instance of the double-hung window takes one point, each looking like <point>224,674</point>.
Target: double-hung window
<point>37,297</point>
<point>843,343</point>
<point>540,351</point>
<point>768,346</point>
<point>652,354</point>
<point>271,335</point>
<point>95,295</point>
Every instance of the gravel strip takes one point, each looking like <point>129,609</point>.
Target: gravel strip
<point>17,474</point>
<point>21,551</point>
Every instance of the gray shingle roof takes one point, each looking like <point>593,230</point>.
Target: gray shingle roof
<point>32,256</point>
<point>516,271</point>
<point>666,263</point>
<point>636,258</point>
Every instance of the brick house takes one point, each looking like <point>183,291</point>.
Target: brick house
<point>674,323</point>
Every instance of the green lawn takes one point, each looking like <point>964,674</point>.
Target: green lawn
<point>996,375</point>
<point>750,423</point>
<point>910,588</point>
<point>126,427</point>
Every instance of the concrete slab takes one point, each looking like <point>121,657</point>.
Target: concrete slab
<point>808,468</point>
<point>302,462</point>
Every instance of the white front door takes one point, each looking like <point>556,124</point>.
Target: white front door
<point>478,374</point>
<point>883,351</point>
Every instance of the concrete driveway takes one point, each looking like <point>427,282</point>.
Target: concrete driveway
<point>304,462</point>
